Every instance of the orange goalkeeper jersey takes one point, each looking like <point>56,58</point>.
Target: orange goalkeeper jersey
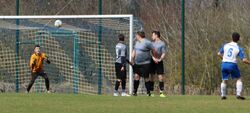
<point>36,60</point>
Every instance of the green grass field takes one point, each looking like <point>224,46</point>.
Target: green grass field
<point>70,103</point>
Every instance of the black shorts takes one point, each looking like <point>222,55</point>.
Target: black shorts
<point>142,70</point>
<point>157,68</point>
<point>120,74</point>
<point>34,75</point>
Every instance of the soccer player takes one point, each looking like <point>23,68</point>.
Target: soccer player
<point>157,67</point>
<point>228,53</point>
<point>36,65</point>
<point>141,57</point>
<point>120,66</point>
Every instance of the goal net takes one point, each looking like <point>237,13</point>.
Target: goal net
<point>82,51</point>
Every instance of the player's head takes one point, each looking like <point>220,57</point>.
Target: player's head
<point>37,49</point>
<point>155,35</point>
<point>121,37</point>
<point>140,34</point>
<point>235,37</point>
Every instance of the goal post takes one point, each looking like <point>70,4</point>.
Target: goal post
<point>81,63</point>
<point>130,52</point>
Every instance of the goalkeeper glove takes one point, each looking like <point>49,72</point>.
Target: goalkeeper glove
<point>48,61</point>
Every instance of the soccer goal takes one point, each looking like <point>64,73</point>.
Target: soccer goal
<point>82,51</point>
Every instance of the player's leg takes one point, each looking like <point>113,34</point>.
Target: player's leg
<point>147,84</point>
<point>223,89</point>
<point>226,71</point>
<point>118,77</point>
<point>33,78</point>
<point>123,82</point>
<point>45,76</point>
<point>145,72</point>
<point>152,75</point>
<point>239,84</point>
<point>137,72</point>
<point>160,72</point>
<point>117,84</point>
<point>136,83</point>
<point>161,85</point>
<point>151,82</point>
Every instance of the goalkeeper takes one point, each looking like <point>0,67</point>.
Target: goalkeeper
<point>36,65</point>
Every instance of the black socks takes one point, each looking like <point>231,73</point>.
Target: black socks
<point>117,83</point>
<point>148,86</point>
<point>136,85</point>
<point>161,85</point>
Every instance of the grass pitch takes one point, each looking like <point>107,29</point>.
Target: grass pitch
<point>71,103</point>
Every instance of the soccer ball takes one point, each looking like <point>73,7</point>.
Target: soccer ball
<point>58,23</point>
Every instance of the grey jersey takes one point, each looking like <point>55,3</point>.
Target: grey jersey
<point>121,53</point>
<point>160,47</point>
<point>142,51</point>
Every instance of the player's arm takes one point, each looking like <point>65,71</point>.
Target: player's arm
<point>131,63</point>
<point>242,56</point>
<point>46,58</point>
<point>220,55</point>
<point>221,52</point>
<point>153,52</point>
<point>162,57</point>
<point>32,62</point>
<point>155,56</point>
<point>163,50</point>
<point>123,61</point>
<point>246,61</point>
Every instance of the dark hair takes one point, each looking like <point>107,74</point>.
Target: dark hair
<point>157,33</point>
<point>36,46</point>
<point>236,37</point>
<point>121,37</point>
<point>141,34</point>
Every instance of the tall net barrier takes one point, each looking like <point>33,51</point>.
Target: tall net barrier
<point>82,53</point>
